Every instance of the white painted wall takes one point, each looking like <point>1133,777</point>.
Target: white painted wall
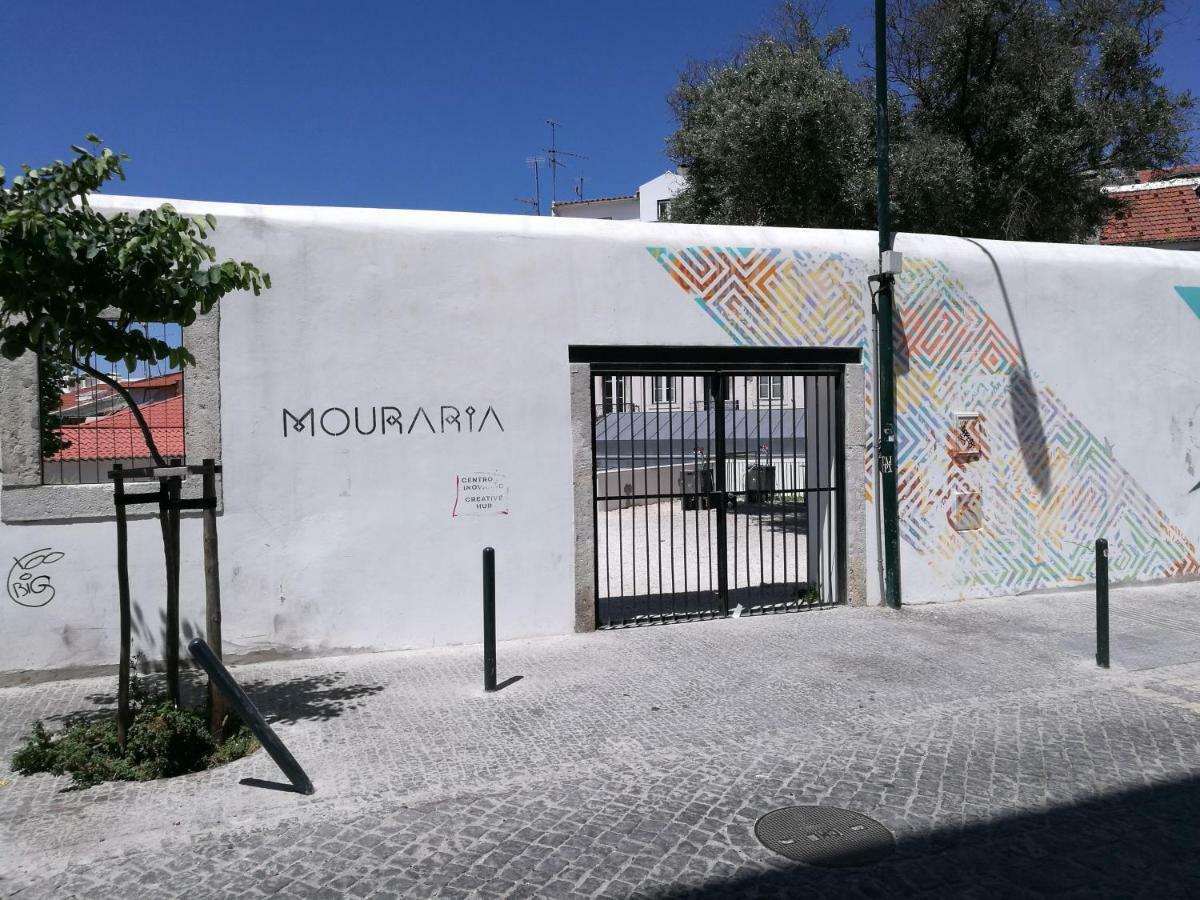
<point>349,542</point>
<point>664,187</point>
<point>618,209</point>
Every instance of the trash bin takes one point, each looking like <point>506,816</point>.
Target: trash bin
<point>697,487</point>
<point>760,483</point>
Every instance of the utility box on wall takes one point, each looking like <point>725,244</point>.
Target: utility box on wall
<point>966,437</point>
<point>967,511</point>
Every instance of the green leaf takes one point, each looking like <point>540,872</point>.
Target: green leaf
<point>92,139</point>
<point>208,217</point>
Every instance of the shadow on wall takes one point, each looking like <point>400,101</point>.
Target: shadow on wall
<point>1023,400</point>
<point>1139,843</point>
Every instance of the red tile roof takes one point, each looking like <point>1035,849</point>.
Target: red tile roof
<point>1155,215</point>
<point>595,200</point>
<point>99,391</point>
<point>1147,175</point>
<point>118,436</point>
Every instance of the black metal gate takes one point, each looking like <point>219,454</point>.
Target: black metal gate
<point>717,490</point>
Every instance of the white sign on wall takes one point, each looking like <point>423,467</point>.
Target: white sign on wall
<point>481,494</point>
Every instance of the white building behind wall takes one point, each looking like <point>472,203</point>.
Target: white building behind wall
<point>649,203</point>
<point>404,396</point>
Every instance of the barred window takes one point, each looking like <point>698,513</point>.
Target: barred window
<point>87,425</point>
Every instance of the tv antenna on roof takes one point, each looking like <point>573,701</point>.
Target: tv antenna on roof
<point>553,153</point>
<point>534,202</point>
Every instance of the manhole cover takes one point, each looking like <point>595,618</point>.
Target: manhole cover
<point>824,836</point>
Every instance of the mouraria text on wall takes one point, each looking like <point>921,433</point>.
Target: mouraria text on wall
<point>336,421</point>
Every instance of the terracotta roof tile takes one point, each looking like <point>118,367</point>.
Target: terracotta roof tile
<point>1147,175</point>
<point>118,436</point>
<point>1155,216</point>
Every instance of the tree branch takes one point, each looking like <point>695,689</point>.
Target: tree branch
<point>133,408</point>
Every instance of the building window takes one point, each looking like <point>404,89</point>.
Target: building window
<point>60,431</point>
<point>87,426</point>
<point>664,210</point>
<point>664,389</point>
<point>770,387</point>
<point>613,393</point>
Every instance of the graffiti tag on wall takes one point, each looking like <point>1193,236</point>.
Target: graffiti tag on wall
<point>27,586</point>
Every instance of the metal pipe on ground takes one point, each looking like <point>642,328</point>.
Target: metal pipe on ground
<point>219,676</point>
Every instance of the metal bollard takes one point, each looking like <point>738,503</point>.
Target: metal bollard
<point>1102,603</point>
<point>489,619</point>
<point>219,676</point>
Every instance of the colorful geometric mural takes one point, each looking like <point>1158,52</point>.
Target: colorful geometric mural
<point>1046,486</point>
<point>1191,296</point>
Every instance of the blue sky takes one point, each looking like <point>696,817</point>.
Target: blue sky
<point>394,104</point>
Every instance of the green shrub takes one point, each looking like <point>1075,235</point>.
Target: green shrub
<point>163,741</point>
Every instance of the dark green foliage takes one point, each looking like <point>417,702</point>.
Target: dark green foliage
<point>1011,113</point>
<point>779,136</point>
<point>54,377</point>
<point>163,741</point>
<point>75,282</point>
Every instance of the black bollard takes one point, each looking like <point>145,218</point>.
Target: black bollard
<point>219,676</point>
<point>489,619</point>
<point>1102,603</point>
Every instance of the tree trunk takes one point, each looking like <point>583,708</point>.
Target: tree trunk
<point>133,407</point>
<point>212,596</point>
<point>126,623</point>
<point>168,517</point>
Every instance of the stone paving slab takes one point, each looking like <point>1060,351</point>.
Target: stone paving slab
<point>635,762</point>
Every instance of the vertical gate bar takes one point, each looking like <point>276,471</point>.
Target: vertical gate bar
<point>620,403</point>
<point>826,531</point>
<point>646,486</point>
<point>633,554</point>
<point>830,497</point>
<point>700,483</point>
<point>840,483</point>
<point>816,495</point>
<point>722,524</point>
<point>658,491</point>
<point>595,507</point>
<point>744,524</point>
<point>796,505</point>
<point>796,495</point>
<point>777,483</point>
<point>735,504</point>
<point>757,494</point>
<point>825,499</point>
<point>774,527</point>
<point>671,491</point>
<point>683,492</point>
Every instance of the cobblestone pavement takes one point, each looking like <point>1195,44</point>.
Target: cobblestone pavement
<point>635,763</point>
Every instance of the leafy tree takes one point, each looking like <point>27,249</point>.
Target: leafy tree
<point>55,376</point>
<point>1042,99</point>
<point>75,284</point>
<point>1009,113</point>
<point>776,136</point>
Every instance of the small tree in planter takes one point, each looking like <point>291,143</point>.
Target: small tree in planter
<point>75,284</point>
